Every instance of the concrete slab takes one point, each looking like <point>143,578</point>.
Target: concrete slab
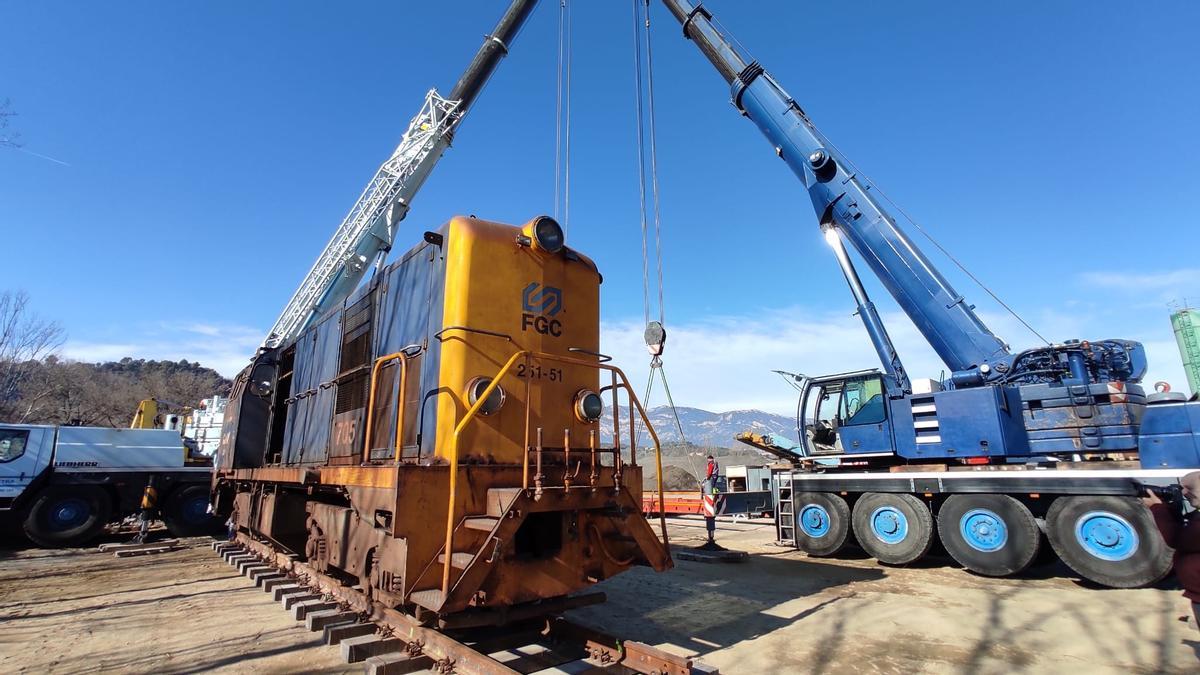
<point>358,649</point>
<point>396,663</point>
<point>249,562</point>
<point>699,555</point>
<point>290,601</point>
<point>108,548</point>
<point>270,583</point>
<point>134,552</point>
<point>319,619</point>
<point>252,571</point>
<point>261,580</point>
<point>335,633</point>
<point>301,609</point>
<point>278,592</point>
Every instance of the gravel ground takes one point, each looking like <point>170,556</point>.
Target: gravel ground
<point>186,611</point>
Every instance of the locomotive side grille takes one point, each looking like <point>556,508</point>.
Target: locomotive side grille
<point>354,374</point>
<point>356,335</point>
<point>352,392</point>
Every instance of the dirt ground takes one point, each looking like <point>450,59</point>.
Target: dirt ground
<point>186,611</point>
<point>79,610</point>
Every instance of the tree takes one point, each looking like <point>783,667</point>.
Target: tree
<point>25,340</point>
<point>8,139</point>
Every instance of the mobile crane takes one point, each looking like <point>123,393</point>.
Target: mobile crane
<point>1006,446</point>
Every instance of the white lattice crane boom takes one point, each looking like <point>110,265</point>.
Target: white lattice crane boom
<point>366,233</point>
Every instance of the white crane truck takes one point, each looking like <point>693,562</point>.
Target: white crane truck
<point>63,485</point>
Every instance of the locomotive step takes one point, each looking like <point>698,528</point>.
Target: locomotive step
<point>431,599</point>
<point>499,499</point>
<point>481,523</point>
<point>459,560</point>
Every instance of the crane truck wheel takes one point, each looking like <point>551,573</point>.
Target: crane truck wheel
<point>894,528</point>
<point>67,515</point>
<point>186,513</point>
<point>822,523</point>
<point>992,535</point>
<point>1111,541</point>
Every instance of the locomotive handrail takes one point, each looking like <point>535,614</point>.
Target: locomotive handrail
<point>403,357</point>
<point>482,397</point>
<point>467,329</point>
<point>603,358</point>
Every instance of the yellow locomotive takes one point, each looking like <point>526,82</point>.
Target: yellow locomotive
<point>437,440</point>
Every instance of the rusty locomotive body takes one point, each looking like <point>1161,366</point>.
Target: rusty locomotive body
<point>436,441</point>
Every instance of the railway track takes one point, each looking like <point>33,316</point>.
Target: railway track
<point>387,641</point>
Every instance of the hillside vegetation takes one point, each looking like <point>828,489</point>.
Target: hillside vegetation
<point>55,391</point>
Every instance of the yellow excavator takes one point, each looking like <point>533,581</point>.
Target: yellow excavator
<point>154,414</point>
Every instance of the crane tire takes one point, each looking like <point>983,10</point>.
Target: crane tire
<point>186,512</point>
<point>894,528</point>
<point>1111,541</point>
<point>992,535</point>
<point>67,515</point>
<point>822,523</point>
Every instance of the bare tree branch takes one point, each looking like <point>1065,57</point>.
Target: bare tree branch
<point>8,139</point>
<point>25,340</point>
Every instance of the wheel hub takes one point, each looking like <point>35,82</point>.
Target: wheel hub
<point>68,513</point>
<point>196,510</point>
<point>1106,535</point>
<point>983,530</point>
<point>814,520</point>
<point>889,525</point>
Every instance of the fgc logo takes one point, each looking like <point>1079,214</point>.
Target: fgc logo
<point>541,303</point>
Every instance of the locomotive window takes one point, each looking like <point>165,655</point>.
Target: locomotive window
<point>862,401</point>
<point>827,405</point>
<point>12,443</point>
<point>262,380</point>
<point>821,419</point>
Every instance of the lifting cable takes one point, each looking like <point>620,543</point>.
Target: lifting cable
<point>562,122</point>
<point>899,209</point>
<point>655,334</point>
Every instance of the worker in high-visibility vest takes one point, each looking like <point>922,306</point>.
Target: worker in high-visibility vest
<point>711,473</point>
<point>149,506</point>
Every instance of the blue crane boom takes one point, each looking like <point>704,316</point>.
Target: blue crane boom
<point>844,203</point>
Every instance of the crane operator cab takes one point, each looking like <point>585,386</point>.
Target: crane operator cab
<point>845,414</point>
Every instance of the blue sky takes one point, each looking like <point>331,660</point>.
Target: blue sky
<point>204,152</point>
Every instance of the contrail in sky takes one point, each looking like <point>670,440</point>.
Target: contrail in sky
<point>46,157</point>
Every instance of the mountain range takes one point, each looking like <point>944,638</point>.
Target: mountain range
<point>704,428</point>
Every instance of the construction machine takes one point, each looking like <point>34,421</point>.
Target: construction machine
<point>1054,437</point>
